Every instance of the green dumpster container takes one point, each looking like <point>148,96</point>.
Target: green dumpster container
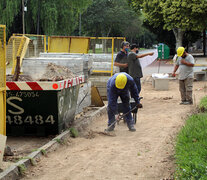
<point>163,51</point>
<point>41,108</point>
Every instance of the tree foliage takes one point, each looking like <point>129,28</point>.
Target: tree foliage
<point>57,17</point>
<point>177,15</point>
<point>111,18</point>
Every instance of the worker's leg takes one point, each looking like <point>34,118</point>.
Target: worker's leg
<point>112,107</point>
<point>189,90</point>
<point>182,90</point>
<point>138,83</point>
<point>125,100</point>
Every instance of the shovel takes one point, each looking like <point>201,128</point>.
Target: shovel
<point>120,117</point>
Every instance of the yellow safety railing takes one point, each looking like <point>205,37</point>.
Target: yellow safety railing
<point>3,79</point>
<point>17,46</point>
<point>112,51</point>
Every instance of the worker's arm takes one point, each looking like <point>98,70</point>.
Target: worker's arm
<point>183,61</point>
<point>146,54</point>
<point>175,69</point>
<point>120,64</point>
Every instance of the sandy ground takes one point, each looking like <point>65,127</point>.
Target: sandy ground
<point>146,154</point>
<point>21,147</point>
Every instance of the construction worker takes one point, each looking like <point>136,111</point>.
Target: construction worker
<point>135,69</point>
<point>185,62</point>
<point>121,58</point>
<point>119,85</point>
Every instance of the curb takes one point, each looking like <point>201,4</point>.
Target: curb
<point>14,172</point>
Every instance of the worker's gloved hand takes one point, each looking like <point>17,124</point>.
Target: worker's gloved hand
<point>139,105</point>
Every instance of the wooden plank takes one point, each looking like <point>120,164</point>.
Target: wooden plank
<point>96,99</point>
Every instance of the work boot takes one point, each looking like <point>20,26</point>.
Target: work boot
<point>132,129</point>
<point>110,128</point>
<point>188,103</point>
<point>182,102</point>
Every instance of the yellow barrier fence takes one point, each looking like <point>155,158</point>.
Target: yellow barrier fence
<point>68,44</point>
<point>3,79</point>
<point>106,45</point>
<point>37,44</point>
<point>17,46</point>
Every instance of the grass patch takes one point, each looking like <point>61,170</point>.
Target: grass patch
<point>203,104</point>
<point>22,168</point>
<point>44,152</point>
<point>191,149</point>
<point>73,132</point>
<point>59,141</point>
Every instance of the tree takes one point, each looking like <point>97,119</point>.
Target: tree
<point>110,18</point>
<point>54,17</point>
<point>176,15</point>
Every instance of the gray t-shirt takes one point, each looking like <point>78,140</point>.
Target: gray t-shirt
<point>135,69</point>
<point>122,58</point>
<point>185,71</point>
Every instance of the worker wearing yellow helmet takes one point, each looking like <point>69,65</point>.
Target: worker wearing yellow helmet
<point>185,63</point>
<point>119,85</point>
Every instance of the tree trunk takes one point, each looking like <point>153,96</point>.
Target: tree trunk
<point>178,36</point>
<point>204,42</point>
<point>104,45</point>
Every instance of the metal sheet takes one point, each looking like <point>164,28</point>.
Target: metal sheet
<point>59,44</point>
<point>79,45</point>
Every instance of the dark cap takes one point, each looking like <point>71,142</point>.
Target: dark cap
<point>134,46</point>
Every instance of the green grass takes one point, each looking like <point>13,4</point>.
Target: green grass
<point>73,132</point>
<point>203,104</point>
<point>191,149</point>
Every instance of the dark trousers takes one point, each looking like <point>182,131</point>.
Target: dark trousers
<point>138,83</point>
<point>112,107</point>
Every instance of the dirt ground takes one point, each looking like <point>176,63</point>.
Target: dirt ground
<point>21,147</point>
<point>146,154</point>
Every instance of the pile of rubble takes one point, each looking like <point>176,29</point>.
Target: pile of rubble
<point>53,72</point>
<point>56,73</point>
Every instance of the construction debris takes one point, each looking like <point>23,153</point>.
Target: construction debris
<point>21,77</point>
<point>56,73</point>
<point>53,73</point>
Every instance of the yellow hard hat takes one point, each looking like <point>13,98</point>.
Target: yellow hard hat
<point>121,81</point>
<point>180,51</point>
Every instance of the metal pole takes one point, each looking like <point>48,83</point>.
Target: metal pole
<point>23,27</point>
<point>112,56</point>
<point>80,24</point>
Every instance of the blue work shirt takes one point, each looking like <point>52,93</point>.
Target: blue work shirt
<point>113,92</point>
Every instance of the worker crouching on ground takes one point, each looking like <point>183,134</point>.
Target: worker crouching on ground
<point>185,62</point>
<point>119,85</point>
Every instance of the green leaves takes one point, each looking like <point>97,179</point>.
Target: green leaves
<point>56,17</point>
<point>111,18</point>
<point>185,14</point>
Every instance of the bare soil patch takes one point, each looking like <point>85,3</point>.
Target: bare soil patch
<point>145,154</point>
